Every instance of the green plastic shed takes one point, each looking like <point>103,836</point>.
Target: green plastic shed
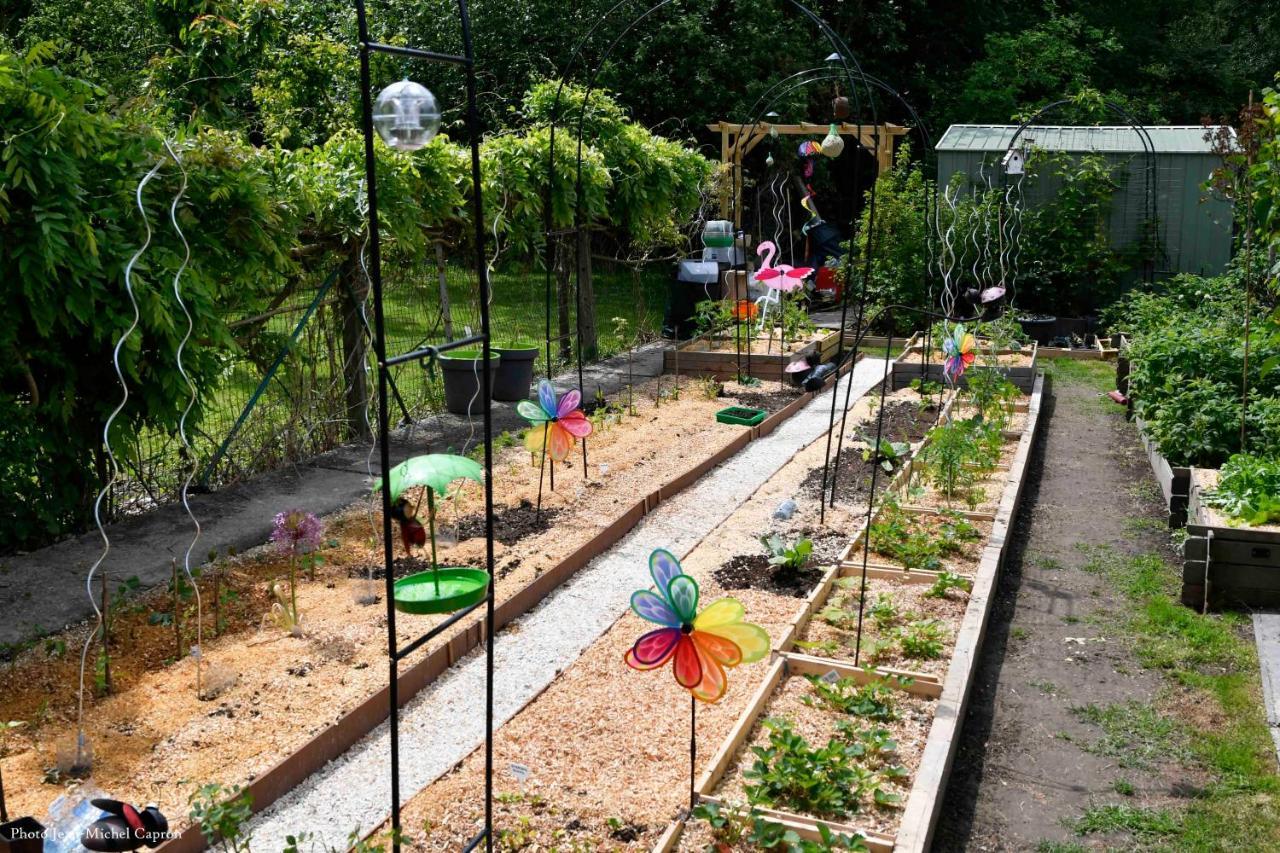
<point>1195,224</point>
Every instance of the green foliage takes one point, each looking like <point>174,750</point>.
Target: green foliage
<point>735,828</point>
<point>900,240</point>
<point>790,558</point>
<point>958,454</point>
<point>1248,489</point>
<point>1034,65</point>
<point>888,453</point>
<point>992,396</point>
<point>922,639</point>
<point>874,700</point>
<point>1067,258</point>
<point>916,542</point>
<point>828,781</point>
<point>946,582</point>
<point>221,814</point>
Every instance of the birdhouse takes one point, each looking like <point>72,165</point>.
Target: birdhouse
<point>1014,162</point>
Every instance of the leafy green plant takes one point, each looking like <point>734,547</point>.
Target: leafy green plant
<point>922,639</point>
<point>788,558</point>
<point>992,396</point>
<point>946,582</point>
<point>884,611</point>
<point>789,773</point>
<point>1248,489</point>
<point>740,827</point>
<point>221,814</point>
<point>890,454</point>
<point>874,700</point>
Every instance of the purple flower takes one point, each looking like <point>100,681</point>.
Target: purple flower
<point>296,531</point>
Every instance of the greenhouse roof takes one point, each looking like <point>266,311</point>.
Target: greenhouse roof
<point>1183,139</point>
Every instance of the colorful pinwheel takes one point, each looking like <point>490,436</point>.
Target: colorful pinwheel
<point>700,644</point>
<point>959,352</point>
<point>561,422</point>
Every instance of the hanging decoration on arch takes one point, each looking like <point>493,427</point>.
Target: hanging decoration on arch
<point>808,151</point>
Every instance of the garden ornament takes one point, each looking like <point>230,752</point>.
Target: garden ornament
<point>555,424</point>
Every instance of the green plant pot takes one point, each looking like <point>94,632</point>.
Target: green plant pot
<point>463,381</point>
<point>515,370</point>
<point>458,588</point>
<point>741,416</point>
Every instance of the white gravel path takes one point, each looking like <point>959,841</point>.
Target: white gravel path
<point>445,722</point>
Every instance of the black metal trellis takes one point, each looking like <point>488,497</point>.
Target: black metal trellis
<point>394,653</point>
<point>1151,173</point>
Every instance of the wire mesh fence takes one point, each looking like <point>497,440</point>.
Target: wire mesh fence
<point>303,382</point>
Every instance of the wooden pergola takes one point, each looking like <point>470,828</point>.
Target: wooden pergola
<point>737,140</point>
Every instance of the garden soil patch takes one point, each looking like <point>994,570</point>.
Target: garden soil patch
<point>511,524</point>
<point>903,421</point>
<point>1020,771</point>
<point>754,571</point>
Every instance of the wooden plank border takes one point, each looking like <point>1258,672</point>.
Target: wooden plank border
<point>920,816</point>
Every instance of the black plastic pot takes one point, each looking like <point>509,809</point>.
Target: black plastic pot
<point>463,381</point>
<point>1038,327</point>
<point>515,372</point>
<point>24,835</point>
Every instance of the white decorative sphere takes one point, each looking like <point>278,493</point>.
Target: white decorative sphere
<point>406,115</point>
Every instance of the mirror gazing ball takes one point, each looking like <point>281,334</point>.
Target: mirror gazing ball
<point>406,115</point>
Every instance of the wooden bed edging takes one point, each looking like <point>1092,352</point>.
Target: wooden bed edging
<point>920,816</point>
<point>336,739</point>
<point>1174,480</point>
<point>1227,565</point>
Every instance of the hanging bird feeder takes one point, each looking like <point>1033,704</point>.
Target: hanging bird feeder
<point>406,115</point>
<point>440,590</point>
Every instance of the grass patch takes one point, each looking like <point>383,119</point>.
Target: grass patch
<point>1046,846</point>
<point>1135,734</point>
<point>1142,823</point>
<point>1217,726</point>
<point>1097,375</point>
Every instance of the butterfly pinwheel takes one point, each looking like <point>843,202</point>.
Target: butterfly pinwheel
<point>555,424</point>
<point>959,352</point>
<point>700,645</point>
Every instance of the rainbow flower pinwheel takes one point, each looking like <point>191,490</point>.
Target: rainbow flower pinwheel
<point>959,352</point>
<point>560,422</point>
<point>701,644</point>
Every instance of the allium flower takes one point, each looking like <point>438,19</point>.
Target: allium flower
<point>297,531</point>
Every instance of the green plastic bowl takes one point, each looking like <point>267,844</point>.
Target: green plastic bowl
<point>459,588</point>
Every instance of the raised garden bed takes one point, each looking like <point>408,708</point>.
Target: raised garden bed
<point>935,699</point>
<point>1019,367</point>
<point>720,357</point>
<point>1174,480</point>
<point>1227,564</point>
<point>292,703</point>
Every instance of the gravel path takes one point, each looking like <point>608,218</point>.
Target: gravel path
<point>445,722</point>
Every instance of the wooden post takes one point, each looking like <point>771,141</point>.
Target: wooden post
<point>351,296</point>
<point>445,313</point>
<point>586,299</point>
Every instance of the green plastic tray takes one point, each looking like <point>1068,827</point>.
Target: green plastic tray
<point>459,588</point>
<point>740,415</point>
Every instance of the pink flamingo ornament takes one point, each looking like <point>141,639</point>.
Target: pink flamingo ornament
<point>782,277</point>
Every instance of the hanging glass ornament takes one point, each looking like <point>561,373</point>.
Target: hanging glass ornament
<point>406,115</point>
